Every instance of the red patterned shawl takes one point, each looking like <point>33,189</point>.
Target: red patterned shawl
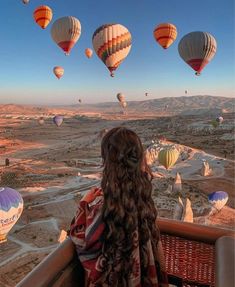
<point>86,233</point>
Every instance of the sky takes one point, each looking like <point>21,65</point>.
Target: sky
<point>28,54</point>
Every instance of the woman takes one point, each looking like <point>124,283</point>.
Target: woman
<point>114,230</point>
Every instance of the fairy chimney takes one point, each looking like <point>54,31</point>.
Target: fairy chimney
<point>177,185</point>
<point>178,210</point>
<point>188,212</point>
<point>206,170</point>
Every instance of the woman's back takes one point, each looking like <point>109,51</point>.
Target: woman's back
<point>114,230</point>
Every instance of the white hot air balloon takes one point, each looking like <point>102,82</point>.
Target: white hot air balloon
<point>65,32</point>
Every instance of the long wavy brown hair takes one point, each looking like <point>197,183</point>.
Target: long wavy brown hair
<point>128,211</point>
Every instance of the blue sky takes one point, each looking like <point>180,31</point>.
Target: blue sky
<point>28,54</point>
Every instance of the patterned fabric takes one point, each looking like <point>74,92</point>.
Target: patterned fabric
<point>86,232</point>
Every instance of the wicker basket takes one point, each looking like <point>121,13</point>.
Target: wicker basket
<point>192,261</point>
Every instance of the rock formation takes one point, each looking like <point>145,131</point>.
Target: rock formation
<point>206,170</point>
<point>177,185</point>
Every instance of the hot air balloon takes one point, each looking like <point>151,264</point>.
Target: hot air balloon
<point>88,53</point>
<point>25,1</point>
<point>218,199</point>
<point>41,121</point>
<point>121,97</point>
<point>112,44</point>
<point>185,92</point>
<point>165,34</point>
<point>214,123</point>
<point>11,207</point>
<point>124,104</point>
<point>80,100</point>
<point>42,16</point>
<point>58,71</point>
<point>146,94</point>
<point>58,120</point>
<point>220,120</point>
<point>168,157</point>
<point>197,49</point>
<point>65,32</point>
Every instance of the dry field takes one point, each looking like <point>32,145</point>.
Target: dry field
<point>53,166</point>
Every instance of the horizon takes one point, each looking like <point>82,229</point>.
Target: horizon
<point>29,53</point>
<point>108,102</point>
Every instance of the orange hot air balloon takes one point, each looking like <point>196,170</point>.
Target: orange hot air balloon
<point>88,52</point>
<point>42,16</point>
<point>165,34</point>
<point>58,71</point>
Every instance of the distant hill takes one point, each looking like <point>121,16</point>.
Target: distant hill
<point>21,109</point>
<point>180,104</point>
<point>186,105</point>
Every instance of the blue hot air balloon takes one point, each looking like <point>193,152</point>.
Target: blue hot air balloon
<point>11,207</point>
<point>58,120</point>
<point>218,199</point>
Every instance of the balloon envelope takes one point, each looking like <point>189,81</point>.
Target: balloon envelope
<point>121,97</point>
<point>88,52</point>
<point>41,121</point>
<point>58,120</point>
<point>58,71</point>
<point>168,157</point>
<point>112,44</point>
<point>25,1</point>
<point>165,34</point>
<point>65,32</point>
<point>197,49</point>
<point>220,120</point>
<point>218,199</point>
<point>11,207</point>
<point>124,104</point>
<point>42,16</point>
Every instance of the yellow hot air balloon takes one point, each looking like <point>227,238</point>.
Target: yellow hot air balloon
<point>65,32</point>
<point>112,44</point>
<point>165,34</point>
<point>88,52</point>
<point>58,71</point>
<point>42,16</point>
<point>197,49</point>
<point>168,157</point>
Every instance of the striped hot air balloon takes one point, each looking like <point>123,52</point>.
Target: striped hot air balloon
<point>42,16</point>
<point>218,199</point>
<point>197,49</point>
<point>88,52</point>
<point>58,71</point>
<point>168,157</point>
<point>121,97</point>
<point>165,34</point>
<point>11,207</point>
<point>65,32</point>
<point>112,44</point>
<point>58,120</point>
